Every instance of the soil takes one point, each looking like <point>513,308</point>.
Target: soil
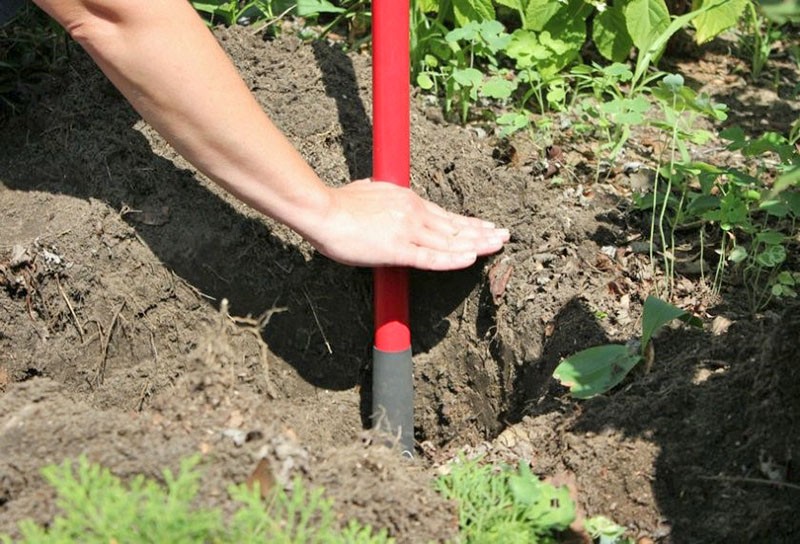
<point>146,316</point>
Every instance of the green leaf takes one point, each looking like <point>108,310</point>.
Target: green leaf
<point>467,32</point>
<point>602,528</point>
<point>610,34</point>
<point>525,49</point>
<point>513,4</point>
<point>424,81</point>
<point>713,22</point>
<point>428,6</point>
<point>596,370</point>
<point>467,77</point>
<point>702,203</point>
<point>771,237</point>
<point>539,12</point>
<point>309,8</point>
<point>547,505</point>
<point>789,179</point>
<point>673,82</point>
<point>473,10</point>
<point>772,256</point>
<point>657,43</point>
<point>735,135</point>
<point>498,87</point>
<point>737,254</point>
<point>646,19</point>
<point>786,278</point>
<point>658,313</point>
<point>512,122</point>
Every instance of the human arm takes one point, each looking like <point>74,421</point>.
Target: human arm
<point>171,69</point>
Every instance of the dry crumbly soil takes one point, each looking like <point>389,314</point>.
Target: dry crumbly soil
<point>146,316</point>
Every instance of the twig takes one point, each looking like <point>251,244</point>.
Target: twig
<point>319,325</point>
<point>256,328</point>
<point>155,351</point>
<point>746,480</point>
<point>143,395</point>
<point>105,341</point>
<point>272,21</point>
<point>71,309</point>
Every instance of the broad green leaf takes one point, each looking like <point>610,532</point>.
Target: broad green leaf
<point>789,179</point>
<point>646,20</point>
<point>618,70</point>
<point>539,12</point>
<point>467,32</point>
<point>792,199</point>
<point>211,9</point>
<point>780,11</point>
<point>473,10</point>
<point>775,207</point>
<point>658,313</point>
<point>467,77</point>
<point>673,82</point>
<point>735,135</point>
<point>512,122</point>
<point>656,46</point>
<point>567,33</point>
<point>525,49</point>
<point>737,254</point>
<point>306,8</point>
<point>771,237</point>
<point>596,370</point>
<point>610,34</point>
<point>713,22</point>
<point>786,278</point>
<point>702,203</point>
<point>424,81</point>
<point>772,256</point>
<point>498,87</point>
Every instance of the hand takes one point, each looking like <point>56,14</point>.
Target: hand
<point>381,224</point>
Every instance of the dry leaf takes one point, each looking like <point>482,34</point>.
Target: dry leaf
<point>499,274</point>
<point>262,475</point>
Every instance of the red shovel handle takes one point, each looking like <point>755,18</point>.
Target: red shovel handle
<point>391,155</point>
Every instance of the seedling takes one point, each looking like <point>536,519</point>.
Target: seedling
<point>500,504</point>
<point>596,370</point>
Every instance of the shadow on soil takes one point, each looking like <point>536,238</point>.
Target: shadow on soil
<point>723,410</point>
<point>325,333</point>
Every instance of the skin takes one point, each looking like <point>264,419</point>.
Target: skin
<point>168,65</point>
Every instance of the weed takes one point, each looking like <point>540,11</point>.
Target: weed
<point>98,508</point>
<point>500,504</point>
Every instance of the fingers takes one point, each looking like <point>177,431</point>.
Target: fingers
<point>430,259</point>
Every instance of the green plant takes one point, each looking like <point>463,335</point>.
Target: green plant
<point>605,531</point>
<point>500,504</point>
<point>455,73</point>
<point>760,222</point>
<point>230,12</point>
<point>98,507</point>
<point>596,370</point>
<point>760,38</point>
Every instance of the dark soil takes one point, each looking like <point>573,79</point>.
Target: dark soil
<point>146,316</point>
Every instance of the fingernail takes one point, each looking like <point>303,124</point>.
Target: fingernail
<point>505,233</point>
<point>488,224</point>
